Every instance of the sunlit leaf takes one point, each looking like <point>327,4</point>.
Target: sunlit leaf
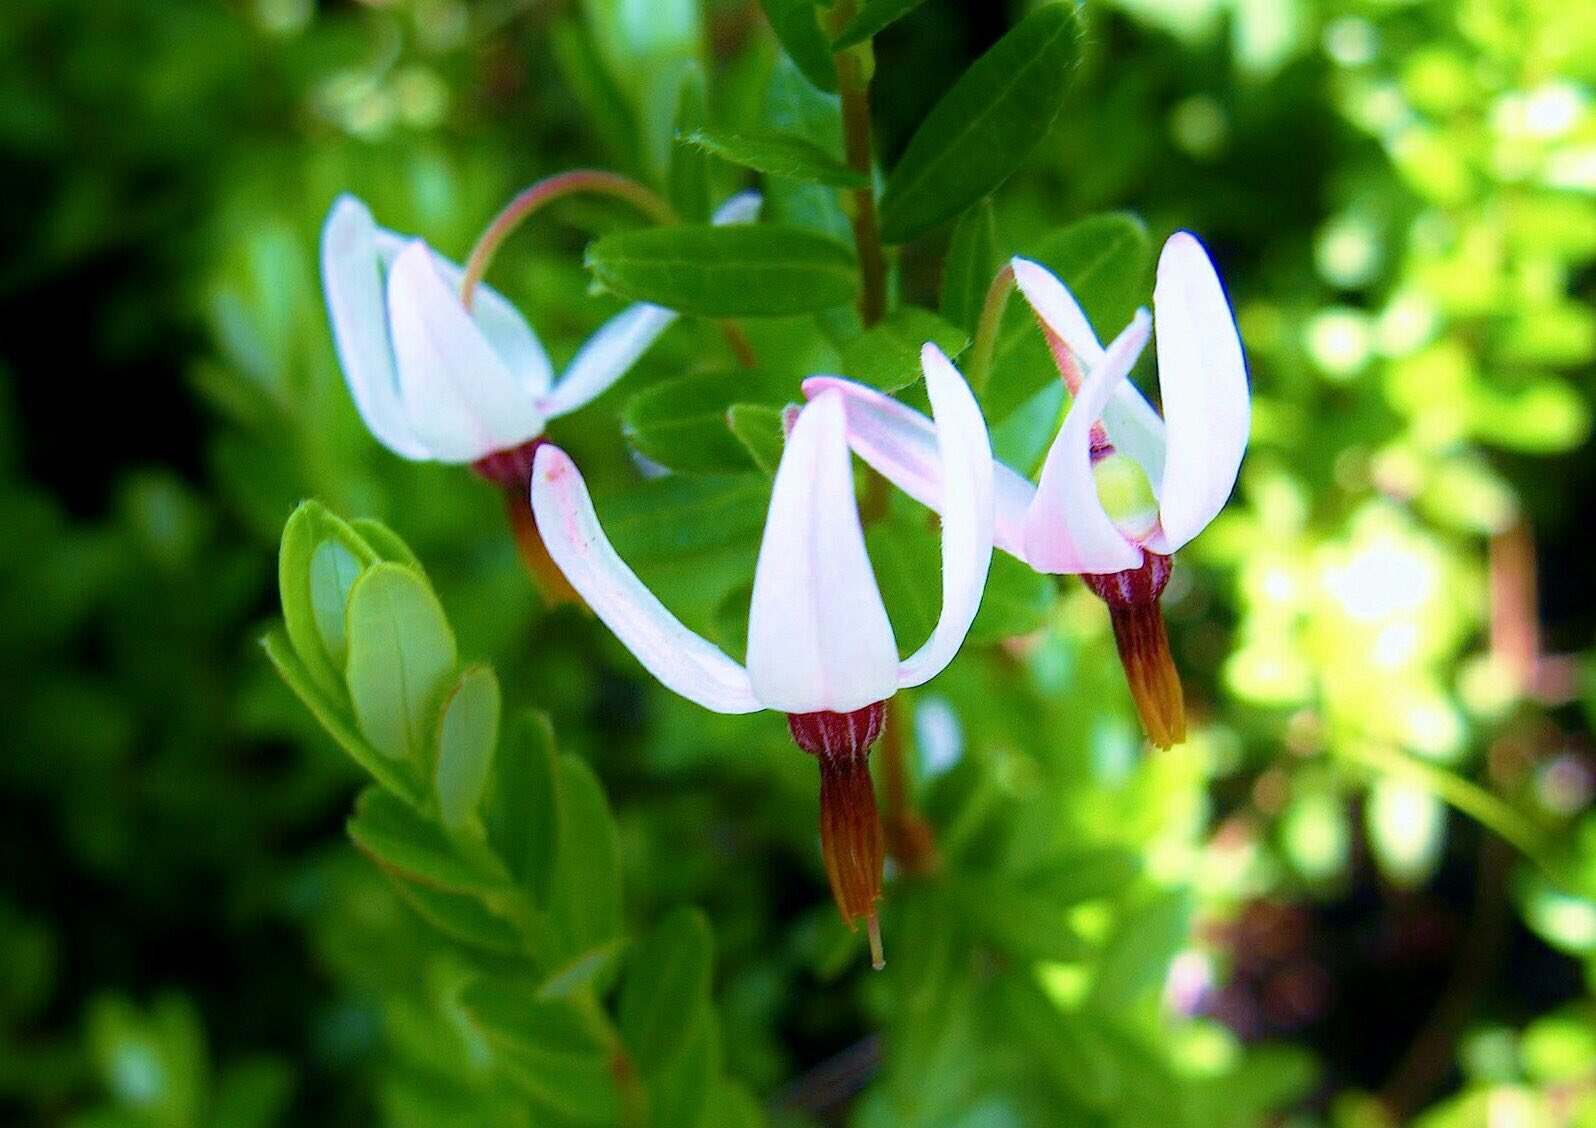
<point>775,154</point>
<point>985,126</point>
<point>740,271</point>
<point>401,659</point>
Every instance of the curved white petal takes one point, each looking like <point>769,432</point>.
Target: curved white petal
<point>352,276</point>
<point>1202,377</point>
<point>1130,420</point>
<point>1067,529</point>
<point>1051,300</point>
<point>607,356</point>
<point>681,660</point>
<point>966,465</point>
<point>818,633</point>
<point>740,208</point>
<point>506,330</point>
<point>458,394</point>
<point>901,444</point>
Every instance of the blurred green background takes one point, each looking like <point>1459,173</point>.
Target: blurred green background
<point>1364,893</point>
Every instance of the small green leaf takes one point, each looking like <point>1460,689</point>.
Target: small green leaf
<point>907,563</point>
<point>1138,953</point>
<point>759,428</point>
<point>887,356</point>
<point>682,424</point>
<point>666,991</point>
<point>1084,875</point>
<point>585,900</point>
<point>401,659</point>
<point>582,972</point>
<point>1067,1046</point>
<point>689,167</point>
<point>385,542</point>
<point>798,30</point>
<point>1026,926</point>
<point>983,129</point>
<point>396,777</point>
<point>523,807</point>
<point>776,154</point>
<point>1016,601</point>
<point>460,916</point>
<point>872,18</point>
<point>743,271</point>
<point>468,732</point>
<point>320,559</point>
<point>674,516</point>
<point>679,1093</point>
<point>550,1049</point>
<point>972,262</point>
<point>402,842</point>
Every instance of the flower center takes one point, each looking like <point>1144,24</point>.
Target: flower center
<point>510,468</point>
<point>1125,492</point>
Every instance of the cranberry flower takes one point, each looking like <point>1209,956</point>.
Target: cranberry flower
<point>1121,489</point>
<point>436,379</point>
<point>820,646</point>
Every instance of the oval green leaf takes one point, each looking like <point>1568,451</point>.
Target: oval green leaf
<point>797,28</point>
<point>468,732</point>
<point>985,127</point>
<point>745,271</point>
<point>401,659</point>
<point>776,154</point>
<point>682,424</point>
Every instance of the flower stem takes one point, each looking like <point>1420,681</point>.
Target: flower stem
<point>853,87</point>
<point>545,192</point>
<point>984,349</point>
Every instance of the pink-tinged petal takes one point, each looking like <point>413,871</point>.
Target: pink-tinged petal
<point>1067,529</point>
<point>681,660</point>
<point>607,356</point>
<point>1202,376</point>
<point>352,276</point>
<point>458,394</point>
<point>1051,300</point>
<point>740,208</point>
<point>901,444</point>
<point>966,467</point>
<point>1130,420</point>
<point>818,633</point>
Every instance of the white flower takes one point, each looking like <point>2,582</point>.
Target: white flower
<point>435,381</point>
<point>1190,457</point>
<point>818,635</point>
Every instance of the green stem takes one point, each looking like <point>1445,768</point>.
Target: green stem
<point>1484,807</point>
<point>984,348</point>
<point>853,87</point>
<point>545,192</point>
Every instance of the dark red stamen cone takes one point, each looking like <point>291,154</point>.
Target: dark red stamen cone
<point>512,471</point>
<point>1138,620</point>
<point>851,840</point>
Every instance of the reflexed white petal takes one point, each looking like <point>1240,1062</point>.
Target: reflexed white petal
<point>966,472</point>
<point>818,633</point>
<point>741,208</point>
<point>507,331</point>
<point>681,660</point>
<point>607,356</point>
<point>1058,309</point>
<point>901,444</point>
<point>1136,431</point>
<point>1130,420</point>
<point>1067,529</point>
<point>458,395</point>
<point>352,278</point>
<point>1202,378</point>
